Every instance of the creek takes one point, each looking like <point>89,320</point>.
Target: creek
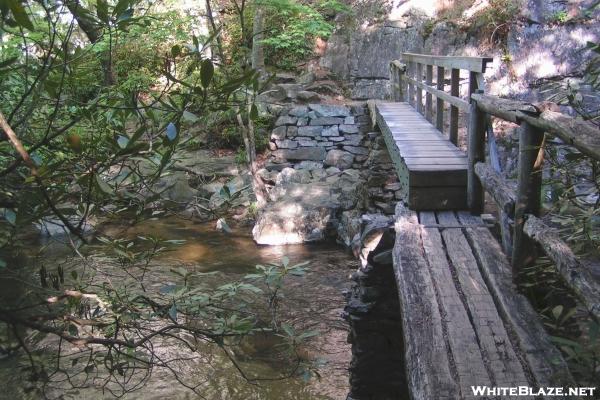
<point>314,300</point>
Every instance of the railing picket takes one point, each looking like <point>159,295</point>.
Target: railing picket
<point>439,106</point>
<point>393,82</point>
<point>419,78</point>
<point>429,96</point>
<point>411,87</point>
<point>473,83</point>
<point>454,91</point>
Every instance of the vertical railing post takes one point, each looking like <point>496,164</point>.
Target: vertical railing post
<point>419,78</point>
<point>439,105</point>
<point>428,96</point>
<point>473,85</point>
<point>411,88</point>
<point>454,91</point>
<point>393,84</point>
<point>402,83</point>
<point>476,153</point>
<point>529,188</point>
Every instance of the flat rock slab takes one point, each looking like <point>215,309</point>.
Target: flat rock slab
<point>204,162</point>
<point>329,110</point>
<point>301,154</point>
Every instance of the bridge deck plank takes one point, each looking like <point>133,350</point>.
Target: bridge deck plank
<point>464,324</point>
<point>432,171</point>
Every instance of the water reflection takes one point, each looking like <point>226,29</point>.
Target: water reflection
<point>313,302</point>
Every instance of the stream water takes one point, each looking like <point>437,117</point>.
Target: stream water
<point>314,300</point>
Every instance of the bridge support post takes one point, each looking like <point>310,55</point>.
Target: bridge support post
<point>476,153</point>
<point>529,188</point>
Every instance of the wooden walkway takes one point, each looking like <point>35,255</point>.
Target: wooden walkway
<point>464,324</point>
<point>432,171</point>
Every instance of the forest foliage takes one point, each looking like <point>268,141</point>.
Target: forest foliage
<point>95,98</point>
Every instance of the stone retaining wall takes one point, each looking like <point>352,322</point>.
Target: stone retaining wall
<point>326,168</point>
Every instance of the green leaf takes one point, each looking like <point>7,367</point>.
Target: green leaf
<point>102,10</point>
<point>73,331</point>
<point>171,131</point>
<point>103,186</point>
<point>254,112</point>
<point>176,50</point>
<point>122,6</point>
<point>173,312</point>
<point>19,14</point>
<point>557,311</point>
<point>122,141</point>
<point>8,62</point>
<point>288,329</point>
<point>190,117</point>
<point>207,71</point>
<point>10,216</point>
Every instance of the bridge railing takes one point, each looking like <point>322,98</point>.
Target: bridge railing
<point>520,209</point>
<point>413,75</point>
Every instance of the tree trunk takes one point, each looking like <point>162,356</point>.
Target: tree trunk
<point>94,35</point>
<point>258,56</point>
<point>213,29</point>
<point>258,185</point>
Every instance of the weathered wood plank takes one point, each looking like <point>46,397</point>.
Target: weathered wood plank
<point>529,187</point>
<point>450,98</point>
<point>426,353</point>
<point>434,161</point>
<point>474,64</point>
<point>501,192</point>
<point>411,87</point>
<point>568,266</point>
<point>424,152</point>
<point>582,135</point>
<point>439,107</point>
<point>431,180</point>
<point>464,348</point>
<point>546,365</point>
<point>419,78</point>
<point>454,92</point>
<point>506,109</point>
<point>476,152</point>
<point>502,361</point>
<point>429,96</point>
<point>446,197</point>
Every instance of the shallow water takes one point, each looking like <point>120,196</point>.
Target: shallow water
<point>313,301</point>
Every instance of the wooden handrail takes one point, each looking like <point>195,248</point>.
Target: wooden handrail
<point>455,101</point>
<point>582,135</point>
<point>414,74</point>
<point>519,208</point>
<point>473,64</point>
<point>567,264</point>
<point>522,206</point>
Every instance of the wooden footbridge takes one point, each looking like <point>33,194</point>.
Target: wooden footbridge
<point>464,323</point>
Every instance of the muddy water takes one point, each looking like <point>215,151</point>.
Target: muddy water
<point>313,301</point>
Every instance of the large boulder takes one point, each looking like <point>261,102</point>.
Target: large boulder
<point>339,159</point>
<point>301,212</point>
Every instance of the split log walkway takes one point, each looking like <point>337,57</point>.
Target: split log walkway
<point>464,323</point>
